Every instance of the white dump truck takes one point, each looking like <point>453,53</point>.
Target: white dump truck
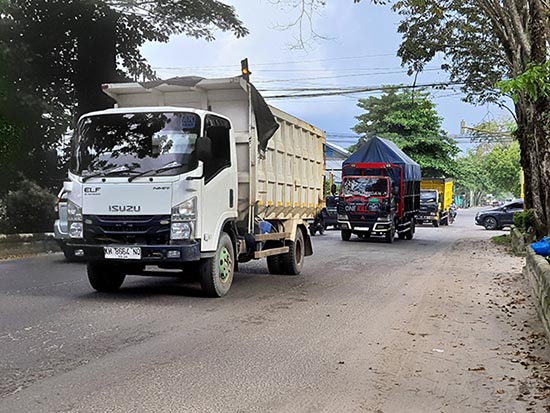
<point>191,176</point>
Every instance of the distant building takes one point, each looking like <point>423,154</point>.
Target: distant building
<point>335,156</point>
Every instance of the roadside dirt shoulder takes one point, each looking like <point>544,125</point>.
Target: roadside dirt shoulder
<point>479,344</point>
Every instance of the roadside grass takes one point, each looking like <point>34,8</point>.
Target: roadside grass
<point>504,240</point>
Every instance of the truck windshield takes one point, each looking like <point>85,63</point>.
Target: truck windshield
<point>136,142</point>
<point>365,186</point>
<point>428,196</point>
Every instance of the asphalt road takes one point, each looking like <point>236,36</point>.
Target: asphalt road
<point>323,341</point>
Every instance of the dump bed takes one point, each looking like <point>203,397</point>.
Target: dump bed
<point>442,185</point>
<point>281,174</point>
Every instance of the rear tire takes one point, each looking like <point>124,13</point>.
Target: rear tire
<point>274,264</point>
<point>346,234</point>
<point>105,278</point>
<point>410,233</point>
<point>217,272</point>
<point>293,260</point>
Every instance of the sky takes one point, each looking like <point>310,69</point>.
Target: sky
<point>358,49</point>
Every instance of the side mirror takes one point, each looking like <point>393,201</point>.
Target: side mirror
<point>51,157</point>
<point>203,148</point>
<point>333,189</point>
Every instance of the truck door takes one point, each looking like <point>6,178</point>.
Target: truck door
<point>220,180</point>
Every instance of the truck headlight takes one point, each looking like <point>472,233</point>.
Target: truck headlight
<point>185,211</point>
<point>181,230</point>
<point>74,212</point>
<point>76,230</point>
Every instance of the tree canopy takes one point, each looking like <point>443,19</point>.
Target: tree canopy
<point>409,118</point>
<point>55,54</point>
<point>493,166</point>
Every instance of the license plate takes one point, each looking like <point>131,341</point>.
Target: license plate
<point>122,253</point>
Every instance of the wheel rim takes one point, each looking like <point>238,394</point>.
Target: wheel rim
<point>298,252</point>
<point>490,223</point>
<point>225,265</point>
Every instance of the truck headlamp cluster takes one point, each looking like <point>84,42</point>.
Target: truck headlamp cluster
<point>185,211</point>
<point>183,220</point>
<point>74,218</point>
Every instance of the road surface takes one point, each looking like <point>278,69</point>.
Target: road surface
<point>442,323</point>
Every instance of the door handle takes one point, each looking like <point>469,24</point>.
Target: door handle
<point>231,198</point>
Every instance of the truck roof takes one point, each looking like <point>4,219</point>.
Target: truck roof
<point>148,109</point>
<point>176,84</point>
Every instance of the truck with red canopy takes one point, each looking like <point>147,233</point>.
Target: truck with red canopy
<point>380,192</point>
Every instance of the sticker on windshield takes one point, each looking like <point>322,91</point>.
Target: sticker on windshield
<point>188,121</point>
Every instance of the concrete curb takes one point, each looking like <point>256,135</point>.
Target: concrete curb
<point>537,270</point>
<point>21,244</point>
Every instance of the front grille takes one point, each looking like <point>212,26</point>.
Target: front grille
<point>127,229</point>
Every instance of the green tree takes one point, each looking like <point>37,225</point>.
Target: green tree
<point>485,42</point>
<point>410,119</point>
<point>55,54</point>
<point>490,168</point>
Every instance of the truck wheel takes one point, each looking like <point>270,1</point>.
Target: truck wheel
<point>410,233</point>
<point>105,278</point>
<point>390,235</point>
<point>346,234</point>
<point>293,260</point>
<point>274,264</point>
<point>217,272</point>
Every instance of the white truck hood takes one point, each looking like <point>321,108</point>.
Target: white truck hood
<point>127,199</point>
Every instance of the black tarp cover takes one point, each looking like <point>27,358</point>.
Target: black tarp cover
<point>378,150</point>
<point>266,124</point>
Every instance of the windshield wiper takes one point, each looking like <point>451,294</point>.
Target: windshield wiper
<point>167,167</point>
<point>108,172</point>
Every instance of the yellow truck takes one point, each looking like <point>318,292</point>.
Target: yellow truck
<point>436,197</point>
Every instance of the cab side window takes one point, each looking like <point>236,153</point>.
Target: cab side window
<point>217,129</point>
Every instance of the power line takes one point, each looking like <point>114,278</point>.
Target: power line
<point>363,90</point>
<point>291,62</point>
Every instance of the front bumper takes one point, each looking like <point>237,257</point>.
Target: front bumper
<point>427,217</point>
<point>150,254</point>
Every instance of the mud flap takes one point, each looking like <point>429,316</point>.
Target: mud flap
<point>308,248</point>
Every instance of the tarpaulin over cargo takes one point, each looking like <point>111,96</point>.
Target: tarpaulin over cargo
<point>378,150</point>
<point>266,124</point>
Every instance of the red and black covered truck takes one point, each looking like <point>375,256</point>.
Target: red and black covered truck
<point>380,192</point>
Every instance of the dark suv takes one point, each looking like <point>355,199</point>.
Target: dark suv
<point>497,218</point>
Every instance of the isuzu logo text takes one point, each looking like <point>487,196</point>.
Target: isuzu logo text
<point>124,208</point>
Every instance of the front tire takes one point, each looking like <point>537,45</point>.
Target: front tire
<point>293,260</point>
<point>346,234</point>
<point>490,223</point>
<point>390,235</point>
<point>217,272</point>
<point>105,278</point>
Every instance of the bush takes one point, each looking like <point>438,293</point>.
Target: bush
<point>525,220</point>
<point>29,209</point>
